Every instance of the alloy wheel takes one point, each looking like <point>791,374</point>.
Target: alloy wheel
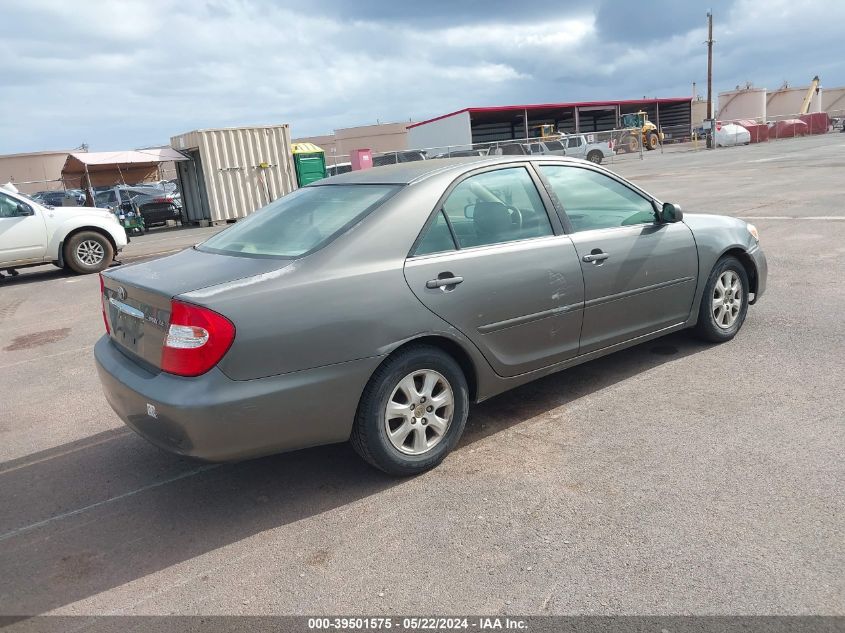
<point>90,252</point>
<point>727,299</point>
<point>419,412</point>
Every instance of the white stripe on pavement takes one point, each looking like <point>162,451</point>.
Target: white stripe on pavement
<point>66,515</point>
<point>791,217</point>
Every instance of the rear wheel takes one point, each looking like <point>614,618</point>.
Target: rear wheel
<point>88,252</point>
<point>412,412</point>
<point>724,303</point>
<point>594,157</point>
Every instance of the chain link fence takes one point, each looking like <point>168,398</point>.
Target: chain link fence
<point>604,147</point>
<point>734,132</point>
<point>612,146</point>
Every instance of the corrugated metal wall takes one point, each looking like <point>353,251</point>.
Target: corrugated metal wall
<point>226,180</point>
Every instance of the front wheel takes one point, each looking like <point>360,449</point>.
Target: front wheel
<point>412,412</point>
<point>88,252</point>
<point>594,157</point>
<point>652,140</point>
<point>724,303</point>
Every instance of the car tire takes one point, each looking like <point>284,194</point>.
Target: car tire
<point>88,252</point>
<point>408,443</point>
<point>722,312</point>
<point>594,157</point>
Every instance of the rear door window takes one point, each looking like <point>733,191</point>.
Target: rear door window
<point>496,206</point>
<point>106,197</point>
<point>437,238</point>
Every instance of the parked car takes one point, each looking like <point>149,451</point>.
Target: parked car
<point>730,134</point>
<point>377,305</point>
<point>461,153</point>
<point>392,158</point>
<point>83,239</point>
<point>60,198</point>
<point>338,168</point>
<point>546,148</point>
<point>509,149</point>
<point>170,187</point>
<point>581,146</point>
<point>154,205</point>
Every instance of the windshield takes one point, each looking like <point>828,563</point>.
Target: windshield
<point>300,222</point>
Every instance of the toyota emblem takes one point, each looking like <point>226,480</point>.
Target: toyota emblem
<point>121,293</point>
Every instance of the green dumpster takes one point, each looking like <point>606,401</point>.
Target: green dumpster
<point>310,163</point>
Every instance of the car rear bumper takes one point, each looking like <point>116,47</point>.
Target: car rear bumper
<point>159,214</point>
<point>215,418</point>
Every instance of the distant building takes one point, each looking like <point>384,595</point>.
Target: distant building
<point>502,123</point>
<point>384,137</point>
<point>34,171</point>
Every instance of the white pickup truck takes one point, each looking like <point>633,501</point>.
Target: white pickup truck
<point>573,145</point>
<point>585,146</point>
<point>83,239</point>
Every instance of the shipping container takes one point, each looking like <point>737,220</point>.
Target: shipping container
<point>789,128</point>
<point>817,122</point>
<point>233,171</point>
<point>759,131</point>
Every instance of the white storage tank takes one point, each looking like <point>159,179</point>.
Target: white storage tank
<point>833,101</point>
<point>786,102</point>
<point>233,171</point>
<point>743,103</point>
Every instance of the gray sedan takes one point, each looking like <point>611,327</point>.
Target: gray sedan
<point>375,306</point>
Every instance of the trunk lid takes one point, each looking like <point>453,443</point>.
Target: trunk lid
<point>137,297</point>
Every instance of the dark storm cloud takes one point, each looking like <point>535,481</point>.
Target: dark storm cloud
<point>445,13</point>
<point>134,73</point>
<point>635,22</point>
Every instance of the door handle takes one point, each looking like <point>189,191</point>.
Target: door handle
<point>442,282</point>
<point>596,257</point>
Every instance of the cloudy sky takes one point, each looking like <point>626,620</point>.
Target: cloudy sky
<point>120,74</point>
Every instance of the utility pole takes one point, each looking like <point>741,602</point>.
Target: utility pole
<point>709,65</point>
<point>710,71</point>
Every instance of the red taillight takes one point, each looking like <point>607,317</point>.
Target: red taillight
<point>197,338</point>
<point>103,303</point>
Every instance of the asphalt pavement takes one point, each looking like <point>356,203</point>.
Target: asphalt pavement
<point>671,478</point>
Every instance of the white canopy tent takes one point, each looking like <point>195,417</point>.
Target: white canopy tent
<point>85,170</point>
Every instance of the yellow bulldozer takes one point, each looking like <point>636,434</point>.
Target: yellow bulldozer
<point>638,129</point>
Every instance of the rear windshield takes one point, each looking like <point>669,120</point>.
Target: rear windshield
<point>300,222</point>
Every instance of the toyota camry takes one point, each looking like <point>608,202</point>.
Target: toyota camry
<point>377,305</point>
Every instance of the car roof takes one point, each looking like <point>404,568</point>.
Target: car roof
<point>406,173</point>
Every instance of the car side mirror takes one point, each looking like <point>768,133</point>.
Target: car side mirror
<point>24,209</point>
<point>671,212</point>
